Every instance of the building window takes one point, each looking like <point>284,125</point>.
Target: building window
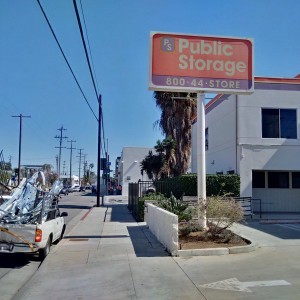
<point>258,179</point>
<point>206,138</point>
<point>278,180</point>
<point>296,180</point>
<point>279,123</point>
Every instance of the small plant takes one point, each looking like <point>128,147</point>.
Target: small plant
<point>185,230</point>
<point>176,207</point>
<point>222,213</point>
<point>139,214</point>
<point>188,227</point>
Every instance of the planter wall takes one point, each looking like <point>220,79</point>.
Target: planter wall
<point>164,225</point>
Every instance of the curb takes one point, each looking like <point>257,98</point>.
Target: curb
<point>216,251</point>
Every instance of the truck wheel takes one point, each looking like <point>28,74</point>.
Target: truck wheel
<point>45,251</point>
<point>62,233</point>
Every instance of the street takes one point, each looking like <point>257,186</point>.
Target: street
<point>17,269</point>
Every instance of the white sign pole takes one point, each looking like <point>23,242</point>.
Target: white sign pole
<point>201,167</point>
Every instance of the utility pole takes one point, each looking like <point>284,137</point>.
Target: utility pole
<point>60,137</point>
<point>20,144</point>
<point>64,167</point>
<point>80,164</point>
<point>107,168</point>
<point>99,149</point>
<point>56,159</point>
<point>71,150</point>
<point>84,165</point>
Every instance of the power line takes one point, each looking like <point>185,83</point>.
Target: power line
<point>88,60</point>
<point>84,46</point>
<point>61,50</point>
<point>88,42</point>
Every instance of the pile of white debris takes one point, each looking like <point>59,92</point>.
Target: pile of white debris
<point>29,203</point>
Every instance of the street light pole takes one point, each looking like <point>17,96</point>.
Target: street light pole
<point>20,144</point>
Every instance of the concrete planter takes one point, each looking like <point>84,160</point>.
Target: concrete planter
<point>164,226</point>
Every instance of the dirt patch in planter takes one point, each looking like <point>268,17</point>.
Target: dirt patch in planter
<point>202,240</point>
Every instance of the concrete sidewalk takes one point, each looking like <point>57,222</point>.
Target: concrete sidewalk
<point>107,255</point>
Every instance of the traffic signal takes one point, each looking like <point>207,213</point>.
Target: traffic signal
<point>103,164</point>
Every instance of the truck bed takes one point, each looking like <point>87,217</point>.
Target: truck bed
<point>17,238</point>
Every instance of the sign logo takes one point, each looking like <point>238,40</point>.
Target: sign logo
<point>201,63</point>
<point>167,44</point>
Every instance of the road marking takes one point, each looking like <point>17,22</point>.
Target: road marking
<point>233,284</point>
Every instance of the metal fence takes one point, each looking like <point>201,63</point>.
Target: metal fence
<point>135,191</point>
<point>142,188</point>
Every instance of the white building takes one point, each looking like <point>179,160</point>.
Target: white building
<point>129,166</point>
<point>258,137</point>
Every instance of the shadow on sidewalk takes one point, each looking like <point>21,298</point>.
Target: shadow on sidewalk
<point>120,213</point>
<point>16,260</point>
<point>94,236</point>
<point>144,243</point>
<point>74,206</point>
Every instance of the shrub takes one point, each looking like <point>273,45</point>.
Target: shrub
<point>187,228</point>
<point>222,213</point>
<point>139,214</point>
<point>176,207</point>
<point>216,185</point>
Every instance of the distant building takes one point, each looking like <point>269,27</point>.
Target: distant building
<point>29,170</point>
<point>258,137</point>
<point>129,166</point>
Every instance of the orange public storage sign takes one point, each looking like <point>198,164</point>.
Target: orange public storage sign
<point>201,63</point>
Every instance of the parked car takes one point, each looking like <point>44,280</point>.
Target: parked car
<point>75,188</point>
<point>64,191</point>
<point>82,189</point>
<point>94,188</point>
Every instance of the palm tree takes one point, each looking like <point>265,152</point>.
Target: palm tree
<point>177,113</point>
<point>152,164</point>
<point>160,165</point>
<point>170,158</point>
<point>159,147</point>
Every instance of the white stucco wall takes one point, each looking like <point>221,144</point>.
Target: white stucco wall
<point>241,147</point>
<point>256,153</point>
<point>129,167</point>
<point>163,225</point>
<point>221,153</point>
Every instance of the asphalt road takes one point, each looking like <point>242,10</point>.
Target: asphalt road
<point>17,269</point>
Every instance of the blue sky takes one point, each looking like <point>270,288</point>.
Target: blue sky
<point>35,80</point>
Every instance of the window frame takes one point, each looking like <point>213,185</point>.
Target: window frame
<point>271,181</point>
<point>279,124</point>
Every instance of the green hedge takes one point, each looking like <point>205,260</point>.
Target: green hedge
<point>216,185</point>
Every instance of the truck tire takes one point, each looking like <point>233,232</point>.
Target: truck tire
<point>62,234</point>
<point>45,251</point>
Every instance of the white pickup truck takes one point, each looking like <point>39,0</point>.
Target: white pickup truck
<point>30,221</point>
<point>33,238</point>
